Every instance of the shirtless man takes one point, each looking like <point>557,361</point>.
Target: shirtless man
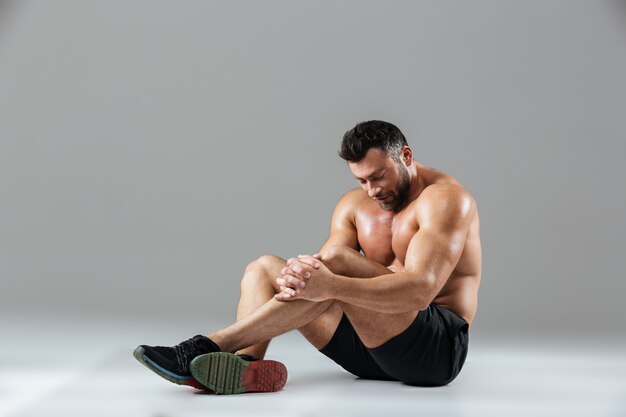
<point>390,295</point>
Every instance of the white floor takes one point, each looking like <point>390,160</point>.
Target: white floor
<point>60,366</point>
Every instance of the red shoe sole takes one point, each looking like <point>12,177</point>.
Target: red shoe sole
<point>225,373</point>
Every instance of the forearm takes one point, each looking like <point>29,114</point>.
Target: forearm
<point>391,293</point>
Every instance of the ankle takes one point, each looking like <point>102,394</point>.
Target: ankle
<point>221,341</point>
<point>256,354</point>
<point>246,357</point>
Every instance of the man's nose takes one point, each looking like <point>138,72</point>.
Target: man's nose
<point>373,191</point>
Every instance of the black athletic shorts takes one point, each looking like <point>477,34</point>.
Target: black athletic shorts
<point>430,352</point>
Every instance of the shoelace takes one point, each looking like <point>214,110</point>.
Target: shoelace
<point>185,351</point>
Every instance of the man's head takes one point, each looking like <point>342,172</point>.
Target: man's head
<point>379,156</point>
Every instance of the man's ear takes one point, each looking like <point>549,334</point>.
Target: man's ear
<point>407,155</point>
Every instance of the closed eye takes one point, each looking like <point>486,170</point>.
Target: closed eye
<point>377,178</point>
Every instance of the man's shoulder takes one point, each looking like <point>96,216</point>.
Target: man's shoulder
<point>348,203</point>
<point>353,197</point>
<point>443,191</point>
<point>444,201</point>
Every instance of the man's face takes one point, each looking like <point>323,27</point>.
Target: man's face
<point>384,179</point>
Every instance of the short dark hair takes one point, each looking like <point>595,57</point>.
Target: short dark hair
<point>372,134</point>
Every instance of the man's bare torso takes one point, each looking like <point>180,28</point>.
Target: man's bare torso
<point>384,236</point>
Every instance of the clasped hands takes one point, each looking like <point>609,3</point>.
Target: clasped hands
<point>305,277</point>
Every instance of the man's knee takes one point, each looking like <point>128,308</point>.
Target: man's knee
<point>266,262</point>
<point>337,256</point>
<point>263,267</point>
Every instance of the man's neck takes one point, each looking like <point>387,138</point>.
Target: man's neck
<point>417,182</point>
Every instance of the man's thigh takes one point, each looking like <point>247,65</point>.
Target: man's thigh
<point>334,334</point>
<point>374,328</point>
<point>321,330</point>
<point>345,261</point>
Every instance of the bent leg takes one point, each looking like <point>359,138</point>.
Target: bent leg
<point>373,328</point>
<point>316,321</point>
<point>258,287</point>
<point>271,319</point>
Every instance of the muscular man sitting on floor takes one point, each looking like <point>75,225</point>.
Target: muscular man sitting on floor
<point>390,295</point>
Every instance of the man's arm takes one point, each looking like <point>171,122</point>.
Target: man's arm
<point>342,226</point>
<point>444,214</point>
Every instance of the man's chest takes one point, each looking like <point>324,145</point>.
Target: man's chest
<point>385,237</point>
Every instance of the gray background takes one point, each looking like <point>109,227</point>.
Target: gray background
<point>150,149</point>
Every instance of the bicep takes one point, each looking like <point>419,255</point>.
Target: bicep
<point>436,248</point>
<point>432,255</point>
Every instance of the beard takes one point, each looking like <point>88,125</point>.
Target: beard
<point>400,197</point>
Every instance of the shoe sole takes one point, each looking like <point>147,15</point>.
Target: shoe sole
<point>139,354</point>
<point>225,373</point>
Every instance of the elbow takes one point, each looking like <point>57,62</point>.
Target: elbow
<point>421,304</point>
<point>425,294</point>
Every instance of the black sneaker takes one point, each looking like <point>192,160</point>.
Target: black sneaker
<point>172,363</point>
<point>225,373</point>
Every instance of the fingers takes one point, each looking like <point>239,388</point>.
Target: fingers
<point>317,256</point>
<point>290,282</point>
<point>297,269</point>
<point>287,294</point>
<point>295,276</point>
<point>304,259</point>
<point>282,296</point>
<point>310,260</point>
